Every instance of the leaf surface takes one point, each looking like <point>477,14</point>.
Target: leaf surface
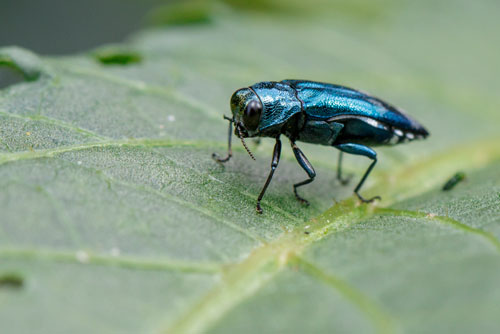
<point>117,219</point>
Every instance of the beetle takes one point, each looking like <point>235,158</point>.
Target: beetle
<point>318,113</point>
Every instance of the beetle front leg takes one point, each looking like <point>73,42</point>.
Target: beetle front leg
<point>274,165</point>
<point>306,165</point>
<point>215,156</point>
<point>367,152</point>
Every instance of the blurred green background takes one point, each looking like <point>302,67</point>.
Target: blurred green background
<point>55,27</point>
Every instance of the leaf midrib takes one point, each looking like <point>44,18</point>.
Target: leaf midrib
<point>244,279</point>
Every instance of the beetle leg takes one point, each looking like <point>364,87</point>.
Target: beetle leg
<point>342,180</point>
<point>306,165</point>
<point>367,152</point>
<point>215,156</point>
<point>274,164</point>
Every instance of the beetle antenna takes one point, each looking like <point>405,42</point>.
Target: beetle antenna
<point>243,142</point>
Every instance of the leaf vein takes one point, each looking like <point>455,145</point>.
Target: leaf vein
<point>381,320</point>
<point>487,236</point>
<point>53,121</point>
<point>108,260</point>
<point>171,198</point>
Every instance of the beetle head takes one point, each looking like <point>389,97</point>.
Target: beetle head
<point>247,110</point>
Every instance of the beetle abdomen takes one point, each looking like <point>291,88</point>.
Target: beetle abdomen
<point>367,131</point>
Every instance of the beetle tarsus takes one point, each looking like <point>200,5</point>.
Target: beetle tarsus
<point>371,200</point>
<point>344,180</point>
<point>258,208</point>
<point>300,199</point>
<point>217,158</point>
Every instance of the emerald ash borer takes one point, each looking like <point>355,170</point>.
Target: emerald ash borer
<point>320,113</point>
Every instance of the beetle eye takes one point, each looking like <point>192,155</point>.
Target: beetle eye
<point>251,117</point>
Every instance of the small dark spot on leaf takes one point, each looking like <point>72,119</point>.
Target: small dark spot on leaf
<point>452,182</point>
<point>11,280</point>
<point>307,232</point>
<point>117,56</point>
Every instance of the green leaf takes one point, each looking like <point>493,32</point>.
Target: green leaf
<point>21,60</point>
<point>114,217</point>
